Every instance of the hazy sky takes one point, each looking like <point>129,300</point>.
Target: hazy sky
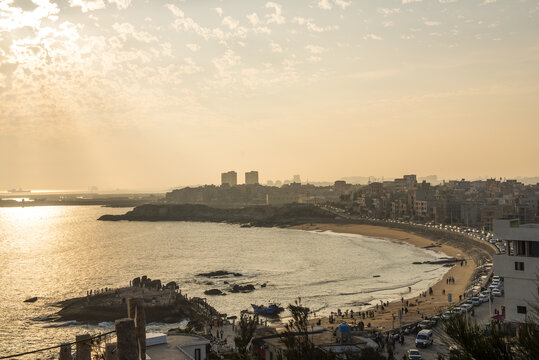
<point>150,94</point>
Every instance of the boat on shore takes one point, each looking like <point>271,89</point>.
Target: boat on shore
<point>271,309</point>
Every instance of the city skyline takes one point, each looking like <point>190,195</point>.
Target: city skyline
<point>158,94</point>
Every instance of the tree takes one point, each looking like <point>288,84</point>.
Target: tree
<point>474,343</point>
<point>247,327</point>
<point>295,337</point>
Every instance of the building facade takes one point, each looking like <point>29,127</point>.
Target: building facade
<point>519,267</point>
<point>251,178</point>
<point>229,178</point>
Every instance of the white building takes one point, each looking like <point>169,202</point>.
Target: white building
<point>176,347</point>
<point>519,266</point>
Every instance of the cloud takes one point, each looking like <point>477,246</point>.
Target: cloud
<point>276,48</point>
<point>372,37</point>
<point>121,4</point>
<point>88,5</point>
<point>193,47</point>
<point>342,4</point>
<point>253,19</point>
<point>230,22</point>
<point>324,4</point>
<point>276,17</point>
<point>327,5</point>
<point>219,11</point>
<point>388,11</point>
<point>488,2</point>
<point>431,23</point>
<point>315,49</point>
<point>311,26</point>
<point>175,10</point>
<point>126,29</point>
<point>410,1</point>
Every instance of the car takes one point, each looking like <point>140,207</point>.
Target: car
<point>424,338</point>
<point>459,310</point>
<point>446,315</point>
<point>467,307</point>
<point>425,324</point>
<point>484,298</point>
<point>496,292</point>
<point>413,354</point>
<point>476,301</point>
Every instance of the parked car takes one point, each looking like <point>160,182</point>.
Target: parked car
<point>484,298</point>
<point>467,307</point>
<point>425,324</point>
<point>476,301</point>
<point>446,315</point>
<point>413,354</point>
<point>497,292</point>
<point>424,338</point>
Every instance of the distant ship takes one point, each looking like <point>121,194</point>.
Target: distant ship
<point>19,190</point>
<point>272,309</point>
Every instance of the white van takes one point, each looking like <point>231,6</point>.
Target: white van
<point>424,338</point>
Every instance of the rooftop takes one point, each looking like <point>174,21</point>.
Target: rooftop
<point>170,350</point>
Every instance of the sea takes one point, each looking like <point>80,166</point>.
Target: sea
<point>60,252</point>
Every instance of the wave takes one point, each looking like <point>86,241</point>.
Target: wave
<point>61,324</point>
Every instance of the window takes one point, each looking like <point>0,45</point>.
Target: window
<point>519,266</point>
<point>521,309</point>
<point>197,354</point>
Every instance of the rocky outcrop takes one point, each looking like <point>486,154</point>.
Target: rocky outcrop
<point>242,288</point>
<point>214,292</point>
<point>265,216</point>
<point>219,273</point>
<point>166,306</point>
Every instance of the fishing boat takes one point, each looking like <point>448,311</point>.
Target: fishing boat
<point>271,309</point>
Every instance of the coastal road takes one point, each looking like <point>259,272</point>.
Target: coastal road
<point>481,318</point>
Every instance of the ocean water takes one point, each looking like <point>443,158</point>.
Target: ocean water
<point>56,253</point>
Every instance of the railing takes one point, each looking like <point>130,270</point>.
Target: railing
<point>95,341</point>
<point>130,340</point>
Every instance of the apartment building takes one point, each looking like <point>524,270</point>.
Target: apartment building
<point>519,267</point>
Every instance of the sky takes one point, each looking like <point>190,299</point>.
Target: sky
<point>154,94</point>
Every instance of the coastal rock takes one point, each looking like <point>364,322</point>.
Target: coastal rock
<point>166,307</point>
<point>214,292</point>
<point>155,284</point>
<point>31,300</point>
<point>172,285</point>
<point>219,273</point>
<point>242,288</point>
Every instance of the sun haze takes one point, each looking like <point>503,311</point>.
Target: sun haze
<point>149,94</point>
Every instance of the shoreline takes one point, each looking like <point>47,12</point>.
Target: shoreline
<point>428,305</point>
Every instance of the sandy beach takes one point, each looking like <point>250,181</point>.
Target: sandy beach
<point>418,306</point>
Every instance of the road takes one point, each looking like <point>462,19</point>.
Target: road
<point>481,317</point>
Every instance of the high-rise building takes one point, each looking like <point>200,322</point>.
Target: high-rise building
<point>518,267</point>
<point>251,178</point>
<point>297,179</point>
<point>229,178</point>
